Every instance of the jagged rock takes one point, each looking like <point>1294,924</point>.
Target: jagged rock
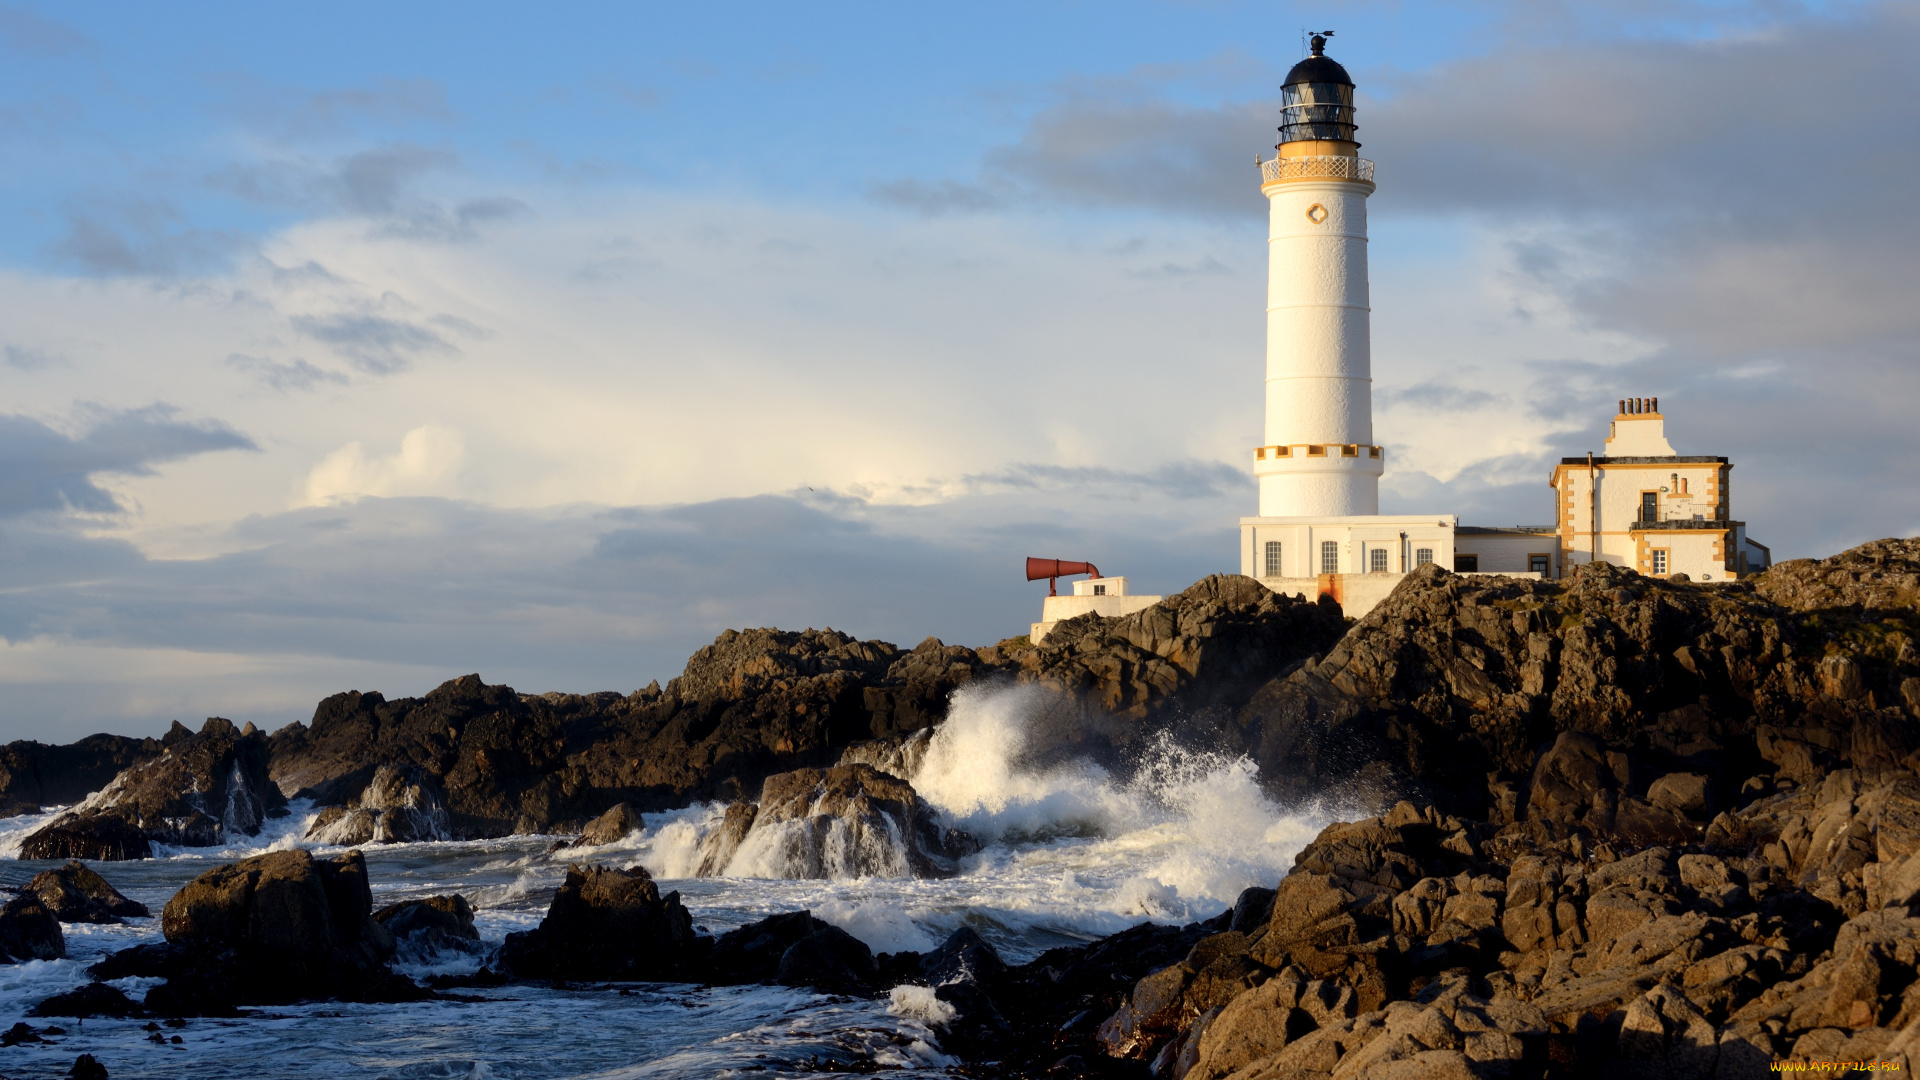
<point>76,894</point>
<point>718,848</point>
<point>86,1068</point>
<point>29,931</point>
<point>611,827</point>
<point>96,838</point>
<point>203,788</point>
<point>431,924</point>
<point>272,929</point>
<point>964,957</point>
<point>899,755</point>
<point>847,821</point>
<point>400,804</point>
<point>1209,645</point>
<point>606,924</point>
<point>1875,576</point>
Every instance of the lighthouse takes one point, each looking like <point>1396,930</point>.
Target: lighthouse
<point>1319,463</point>
<point>1319,457</point>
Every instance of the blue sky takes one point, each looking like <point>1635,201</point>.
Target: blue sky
<point>371,345</point>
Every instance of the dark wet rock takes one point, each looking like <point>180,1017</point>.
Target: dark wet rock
<point>611,827</point>
<point>86,1068</point>
<point>433,924</point>
<point>753,952</point>
<point>829,959</point>
<point>29,931</point>
<point>400,804</point>
<point>95,838</point>
<point>1055,1006</point>
<point>847,821</point>
<point>35,775</point>
<point>272,929</point>
<point>76,894</point>
<point>93,999</point>
<point>203,789</point>
<point>964,957</point>
<point>606,924</point>
<point>19,1033</point>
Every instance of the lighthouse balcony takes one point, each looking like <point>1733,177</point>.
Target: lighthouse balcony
<point>1318,450</point>
<point>1329,458</point>
<point>1316,167</point>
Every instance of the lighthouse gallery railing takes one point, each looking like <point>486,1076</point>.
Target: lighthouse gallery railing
<point>1318,167</point>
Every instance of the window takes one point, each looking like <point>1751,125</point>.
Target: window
<point>1377,560</point>
<point>1273,558</point>
<point>1540,564</point>
<point>1316,451</point>
<point>1659,560</point>
<point>1649,506</point>
<point>1466,564</point>
<point>1423,556</point>
<point>1350,451</point>
<point>1329,557</point>
<point>1099,590</point>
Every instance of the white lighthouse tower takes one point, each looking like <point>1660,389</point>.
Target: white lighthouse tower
<point>1319,468</point>
<point>1319,374</point>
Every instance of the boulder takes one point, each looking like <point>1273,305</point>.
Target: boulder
<point>96,838</point>
<point>29,931</point>
<point>431,924</point>
<point>794,949</point>
<point>828,959</point>
<point>611,827</point>
<point>606,924</point>
<point>847,821</point>
<point>93,999</point>
<point>272,929</point>
<point>75,894</point>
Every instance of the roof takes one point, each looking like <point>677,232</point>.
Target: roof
<point>1514,530</point>
<point>1318,69</point>
<point>1677,459</point>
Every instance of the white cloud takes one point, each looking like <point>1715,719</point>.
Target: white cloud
<point>427,463</point>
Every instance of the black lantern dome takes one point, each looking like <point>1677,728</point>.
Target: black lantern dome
<point>1316,101</point>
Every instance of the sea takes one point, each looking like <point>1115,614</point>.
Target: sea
<point>1072,851</point>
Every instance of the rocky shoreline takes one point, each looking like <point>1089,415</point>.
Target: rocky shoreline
<point>1625,826</point>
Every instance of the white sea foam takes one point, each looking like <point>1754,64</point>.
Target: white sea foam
<point>919,1003</point>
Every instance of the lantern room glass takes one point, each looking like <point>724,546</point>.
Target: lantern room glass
<point>1312,111</point>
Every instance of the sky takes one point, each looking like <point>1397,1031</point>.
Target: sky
<point>365,346</point>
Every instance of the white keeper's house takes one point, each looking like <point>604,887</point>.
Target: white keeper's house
<point>1319,528</point>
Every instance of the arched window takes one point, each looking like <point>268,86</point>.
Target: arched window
<point>1422,556</point>
<point>1273,558</point>
<point>1377,560</point>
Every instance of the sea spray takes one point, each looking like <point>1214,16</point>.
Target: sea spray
<point>1197,822</point>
